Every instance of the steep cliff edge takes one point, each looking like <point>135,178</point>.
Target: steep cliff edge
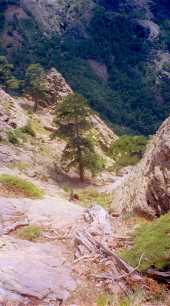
<point>147,188</point>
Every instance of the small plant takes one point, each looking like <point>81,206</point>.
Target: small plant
<point>127,150</point>
<point>34,127</point>
<point>29,129</point>
<point>20,186</point>
<point>66,188</point>
<point>19,165</point>
<point>91,196</point>
<point>104,300</point>
<point>16,136</point>
<point>152,240</point>
<point>29,232</point>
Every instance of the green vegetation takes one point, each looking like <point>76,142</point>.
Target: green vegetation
<point>20,135</point>
<point>104,300</point>
<point>22,187</point>
<point>127,150</point>
<point>29,232</point>
<point>139,297</point>
<point>152,240</point>
<point>73,122</point>
<point>7,80</point>
<point>20,165</point>
<point>17,136</point>
<point>89,196</point>
<point>35,84</point>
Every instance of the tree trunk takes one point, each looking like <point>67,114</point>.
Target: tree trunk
<point>81,171</point>
<point>35,105</point>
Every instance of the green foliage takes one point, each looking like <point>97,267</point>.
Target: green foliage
<point>29,232</point>
<point>152,240</point>
<point>90,196</point>
<point>130,98</point>
<point>17,136</point>
<point>104,300</point>
<point>128,150</point>
<point>29,129</point>
<point>35,84</point>
<point>21,165</point>
<point>72,120</point>
<point>7,79</point>
<point>20,135</point>
<point>18,185</point>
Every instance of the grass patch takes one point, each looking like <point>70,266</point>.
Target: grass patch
<point>34,127</point>
<point>104,300</point>
<point>29,232</point>
<point>90,196</point>
<point>20,135</point>
<point>156,295</point>
<point>19,165</point>
<point>17,136</point>
<point>20,186</point>
<point>154,241</point>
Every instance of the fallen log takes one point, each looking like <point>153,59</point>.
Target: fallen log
<point>50,128</point>
<point>92,245</point>
<point>163,276</point>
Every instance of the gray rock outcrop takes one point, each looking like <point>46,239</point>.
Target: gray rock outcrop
<point>33,272</point>
<point>11,114</point>
<point>147,188</point>
<point>57,86</point>
<point>57,16</point>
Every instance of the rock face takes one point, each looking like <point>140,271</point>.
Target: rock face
<point>58,89</point>
<point>57,16</point>
<point>32,270</point>
<point>57,86</point>
<point>105,134</point>
<point>11,114</point>
<point>49,212</point>
<point>147,188</point>
<point>35,273</point>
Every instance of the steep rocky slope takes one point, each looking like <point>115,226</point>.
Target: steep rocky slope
<point>146,188</point>
<point>17,119</point>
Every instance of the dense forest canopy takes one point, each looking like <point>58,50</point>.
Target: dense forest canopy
<point>132,94</point>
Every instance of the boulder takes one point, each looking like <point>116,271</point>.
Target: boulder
<point>33,271</point>
<point>146,189</point>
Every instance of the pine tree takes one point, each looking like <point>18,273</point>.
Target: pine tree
<point>35,84</point>
<point>73,122</point>
<point>7,80</point>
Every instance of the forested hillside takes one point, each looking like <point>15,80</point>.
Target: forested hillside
<point>115,53</point>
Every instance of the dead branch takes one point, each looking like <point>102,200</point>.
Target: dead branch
<point>161,275</point>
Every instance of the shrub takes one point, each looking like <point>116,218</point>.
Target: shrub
<point>29,129</point>
<point>128,150</point>
<point>33,127</point>
<point>19,165</point>
<point>91,195</point>
<point>16,136</point>
<point>20,186</point>
<point>152,240</point>
<point>29,232</point>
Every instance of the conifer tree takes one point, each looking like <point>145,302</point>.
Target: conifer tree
<point>7,80</point>
<point>73,122</point>
<point>35,84</point>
